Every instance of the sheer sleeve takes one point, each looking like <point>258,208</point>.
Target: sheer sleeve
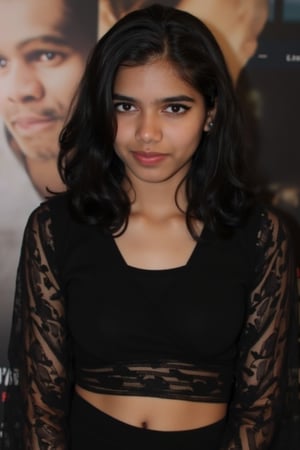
<point>265,373</point>
<point>38,346</point>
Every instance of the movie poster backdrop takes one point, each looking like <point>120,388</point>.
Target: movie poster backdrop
<point>43,49</point>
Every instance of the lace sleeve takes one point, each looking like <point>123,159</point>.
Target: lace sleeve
<point>264,370</point>
<point>38,346</point>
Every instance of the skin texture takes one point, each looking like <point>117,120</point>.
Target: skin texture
<point>150,123</point>
<point>236,24</point>
<point>39,70</point>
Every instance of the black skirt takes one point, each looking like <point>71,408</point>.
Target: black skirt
<point>92,429</point>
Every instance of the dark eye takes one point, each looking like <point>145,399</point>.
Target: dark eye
<point>124,107</point>
<point>47,57</point>
<point>176,108</point>
<point>3,63</point>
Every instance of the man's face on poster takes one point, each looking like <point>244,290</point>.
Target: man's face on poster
<point>40,67</point>
<point>236,25</point>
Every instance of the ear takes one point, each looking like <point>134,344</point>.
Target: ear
<point>210,119</point>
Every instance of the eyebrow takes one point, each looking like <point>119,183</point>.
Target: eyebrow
<point>176,98</point>
<point>45,39</point>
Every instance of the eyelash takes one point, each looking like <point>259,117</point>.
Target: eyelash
<point>119,105</point>
<point>45,56</point>
<point>183,108</point>
<point>178,106</point>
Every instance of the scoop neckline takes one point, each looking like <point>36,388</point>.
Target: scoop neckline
<point>131,268</point>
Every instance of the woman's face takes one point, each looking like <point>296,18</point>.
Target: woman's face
<point>160,121</point>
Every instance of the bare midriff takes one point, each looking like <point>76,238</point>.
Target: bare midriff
<point>156,413</point>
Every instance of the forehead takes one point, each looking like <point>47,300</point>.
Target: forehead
<point>158,78</point>
<point>22,20</point>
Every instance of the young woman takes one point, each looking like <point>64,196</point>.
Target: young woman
<point>154,299</point>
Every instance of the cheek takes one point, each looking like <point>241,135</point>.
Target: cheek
<point>120,153</point>
<point>124,134</point>
<point>189,136</point>
<point>62,81</point>
<point>118,143</point>
<point>2,97</point>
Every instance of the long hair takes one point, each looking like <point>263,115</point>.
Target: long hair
<point>215,187</point>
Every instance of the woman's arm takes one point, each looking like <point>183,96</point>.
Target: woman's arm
<point>262,369</point>
<point>39,341</point>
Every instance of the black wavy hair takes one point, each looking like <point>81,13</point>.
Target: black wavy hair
<point>216,189</point>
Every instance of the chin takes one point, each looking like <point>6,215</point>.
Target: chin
<point>38,154</point>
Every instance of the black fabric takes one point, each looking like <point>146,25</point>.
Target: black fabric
<point>80,310</point>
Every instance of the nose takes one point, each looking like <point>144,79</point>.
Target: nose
<point>148,128</point>
<point>24,85</point>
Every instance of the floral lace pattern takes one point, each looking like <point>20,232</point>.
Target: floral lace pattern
<point>39,323</point>
<point>39,345</point>
<point>260,384</point>
<point>166,379</point>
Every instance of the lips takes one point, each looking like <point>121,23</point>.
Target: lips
<point>26,125</point>
<point>149,158</point>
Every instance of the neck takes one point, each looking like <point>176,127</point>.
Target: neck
<point>157,199</point>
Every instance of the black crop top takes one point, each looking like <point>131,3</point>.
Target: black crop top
<point>164,333</point>
<point>214,330</point>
